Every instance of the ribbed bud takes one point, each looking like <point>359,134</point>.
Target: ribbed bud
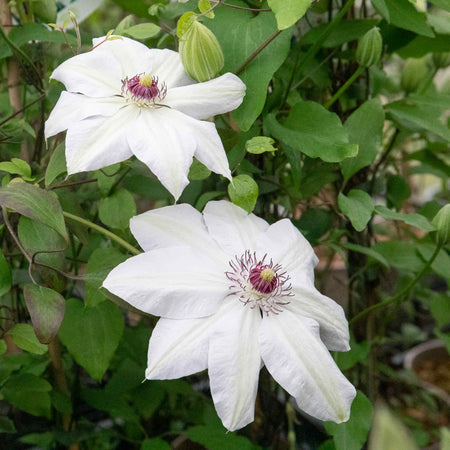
<point>441,222</point>
<point>415,72</point>
<point>441,60</point>
<point>199,49</point>
<point>369,48</point>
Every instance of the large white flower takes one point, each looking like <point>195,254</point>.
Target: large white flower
<point>123,98</point>
<point>234,293</point>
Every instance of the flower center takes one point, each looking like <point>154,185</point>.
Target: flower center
<point>143,90</point>
<point>259,283</point>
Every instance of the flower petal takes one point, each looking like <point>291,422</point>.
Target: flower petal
<point>176,225</point>
<point>209,150</point>
<point>98,142</point>
<point>309,302</point>
<point>232,227</point>
<point>173,282</point>
<point>287,246</point>
<point>234,363</point>
<point>95,73</point>
<point>178,348</point>
<point>298,360</point>
<point>71,108</point>
<point>165,145</point>
<point>204,100</point>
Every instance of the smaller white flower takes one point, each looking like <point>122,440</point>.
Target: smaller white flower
<point>125,99</point>
<point>234,294</point>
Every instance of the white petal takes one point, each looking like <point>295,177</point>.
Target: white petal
<point>204,100</point>
<point>233,228</point>
<point>234,363</point>
<point>71,108</point>
<point>309,302</point>
<point>98,142</point>
<point>209,149</point>
<point>298,360</point>
<point>287,246</point>
<point>176,225</point>
<point>165,145</point>
<point>173,282</point>
<point>178,348</point>
<point>95,73</point>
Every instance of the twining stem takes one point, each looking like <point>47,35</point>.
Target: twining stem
<point>104,231</point>
<point>318,44</point>
<point>344,87</point>
<point>402,295</point>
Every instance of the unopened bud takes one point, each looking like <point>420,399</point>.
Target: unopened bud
<point>415,72</point>
<point>200,50</point>
<point>441,60</point>
<point>369,48</point>
<point>45,10</point>
<point>441,222</point>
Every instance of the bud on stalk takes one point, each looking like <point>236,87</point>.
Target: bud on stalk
<point>415,73</point>
<point>369,48</point>
<point>199,49</point>
<point>441,60</point>
<point>441,222</point>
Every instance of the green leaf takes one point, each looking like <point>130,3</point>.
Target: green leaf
<point>142,31</point>
<point>116,210</point>
<point>314,223</point>
<point>16,166</point>
<point>24,337</point>
<point>243,192</point>
<point>46,308</point>
<point>56,165</point>
<point>288,12</point>
<point>35,203</point>
<point>5,275</point>
<point>314,131</point>
<point>106,178</point>
<point>198,171</point>
<point>441,265</point>
<point>7,425</point>
<point>364,128</point>
<point>155,444</point>
<point>3,347</point>
<point>400,254</point>
<point>29,393</point>
<point>439,307</point>
<point>367,251</point>
<point>91,334</point>
<point>404,15</point>
<point>204,6</point>
<point>352,435</point>
<point>397,191</point>
<point>358,353</point>
<point>414,219</point>
<point>443,4</point>
<point>357,205</point>
<point>215,438</point>
<point>240,33</point>
<point>101,262</point>
<point>260,144</point>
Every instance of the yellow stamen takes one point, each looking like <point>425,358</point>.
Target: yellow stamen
<point>146,80</point>
<point>267,275</point>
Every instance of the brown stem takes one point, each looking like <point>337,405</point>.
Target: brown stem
<point>256,52</point>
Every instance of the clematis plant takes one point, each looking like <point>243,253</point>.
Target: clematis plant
<point>235,293</point>
<point>125,99</point>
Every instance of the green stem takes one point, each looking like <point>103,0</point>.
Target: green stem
<point>400,296</point>
<point>104,231</point>
<point>318,44</point>
<point>344,87</point>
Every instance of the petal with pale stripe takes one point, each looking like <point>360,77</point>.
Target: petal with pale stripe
<point>298,360</point>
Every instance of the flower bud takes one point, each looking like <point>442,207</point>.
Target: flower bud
<point>441,60</point>
<point>369,48</point>
<point>441,222</point>
<point>415,72</point>
<point>200,50</point>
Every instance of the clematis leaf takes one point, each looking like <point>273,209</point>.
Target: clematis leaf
<point>56,165</point>
<point>7,425</point>
<point>142,31</point>
<point>24,337</point>
<point>243,192</point>
<point>92,334</point>
<point>260,144</point>
<point>288,12</point>
<point>357,205</point>
<point>35,203</point>
<point>155,444</point>
<point>117,209</point>
<point>46,308</point>
<point>198,171</point>
<point>414,219</point>
<point>5,275</point>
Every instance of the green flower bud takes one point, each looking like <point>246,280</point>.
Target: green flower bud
<point>199,49</point>
<point>441,222</point>
<point>415,72</point>
<point>369,48</point>
<point>441,60</point>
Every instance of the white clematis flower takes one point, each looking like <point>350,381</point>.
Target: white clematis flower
<point>234,293</point>
<point>123,98</point>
